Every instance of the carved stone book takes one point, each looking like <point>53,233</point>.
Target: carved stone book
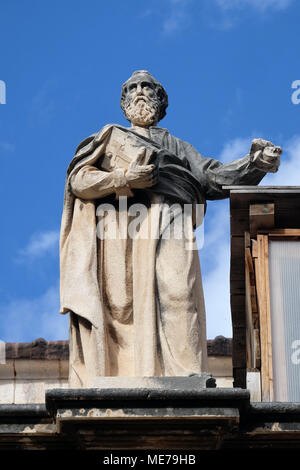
<point>122,148</point>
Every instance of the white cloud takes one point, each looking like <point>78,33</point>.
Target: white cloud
<point>227,13</point>
<point>178,16</point>
<point>40,244</point>
<point>260,5</point>
<point>215,254</point>
<point>215,265</point>
<point>27,319</point>
<point>235,148</point>
<point>289,170</point>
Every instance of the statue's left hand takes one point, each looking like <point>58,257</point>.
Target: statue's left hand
<point>265,155</point>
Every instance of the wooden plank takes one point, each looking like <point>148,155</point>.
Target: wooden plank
<point>259,270</point>
<point>264,190</point>
<point>257,348</point>
<point>288,213</point>
<point>284,237</point>
<point>253,298</point>
<point>248,260</point>
<point>250,265</point>
<point>254,385</point>
<point>255,317</point>
<point>287,232</point>
<point>268,317</point>
<point>238,314</point>
<point>262,283</point>
<point>239,376</point>
<point>262,216</point>
<point>287,208</point>
<point>239,222</point>
<point>238,245</point>
<point>258,189</point>
<point>237,263</point>
<point>239,347</point>
<point>237,298</point>
<point>249,320</point>
<point>247,240</point>
<point>237,287</point>
<point>254,248</point>
<point>263,210</point>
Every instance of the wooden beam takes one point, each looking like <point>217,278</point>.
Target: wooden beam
<point>263,293</point>
<point>254,385</point>
<point>286,232</point>
<point>249,320</point>
<point>257,348</point>
<point>262,216</point>
<point>254,248</point>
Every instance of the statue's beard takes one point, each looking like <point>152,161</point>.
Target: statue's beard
<point>142,111</point>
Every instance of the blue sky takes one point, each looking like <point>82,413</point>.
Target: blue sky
<point>228,67</point>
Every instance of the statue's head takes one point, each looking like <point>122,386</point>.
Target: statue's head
<point>143,100</point>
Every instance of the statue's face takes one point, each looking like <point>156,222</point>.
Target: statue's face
<point>142,103</point>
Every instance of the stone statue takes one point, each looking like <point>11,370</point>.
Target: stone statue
<point>136,303</point>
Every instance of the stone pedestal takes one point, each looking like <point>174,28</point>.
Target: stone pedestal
<point>151,420</point>
<point>195,382</point>
<point>185,416</point>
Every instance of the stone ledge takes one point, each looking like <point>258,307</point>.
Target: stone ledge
<point>51,350</point>
<point>190,383</point>
<point>93,419</point>
<point>27,411</point>
<point>274,411</point>
<point>145,397</point>
<point>21,420</point>
<point>220,346</point>
<point>38,349</point>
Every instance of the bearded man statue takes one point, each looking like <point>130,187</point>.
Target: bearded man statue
<point>136,302</point>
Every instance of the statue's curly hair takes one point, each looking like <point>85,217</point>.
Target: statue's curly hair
<point>160,91</point>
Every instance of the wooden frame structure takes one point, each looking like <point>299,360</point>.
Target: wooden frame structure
<point>259,342</point>
<point>258,215</point>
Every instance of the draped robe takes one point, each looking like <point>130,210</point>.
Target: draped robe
<point>136,305</point>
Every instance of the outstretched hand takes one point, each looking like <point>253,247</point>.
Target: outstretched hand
<point>265,155</point>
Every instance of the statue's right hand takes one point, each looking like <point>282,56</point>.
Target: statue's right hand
<point>140,176</point>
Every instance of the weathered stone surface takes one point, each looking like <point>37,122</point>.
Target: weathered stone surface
<point>24,380</point>
<point>160,383</point>
<point>38,349</point>
<point>220,346</point>
<point>7,391</point>
<point>150,419</point>
<point>25,420</point>
<point>152,320</point>
<point>145,397</point>
<point>54,350</point>
<point>28,411</point>
<point>33,391</point>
